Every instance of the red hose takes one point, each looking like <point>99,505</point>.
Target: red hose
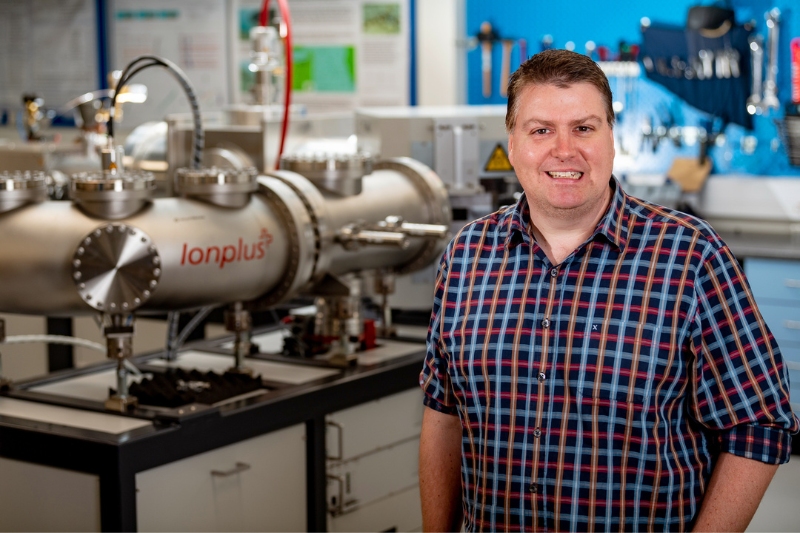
<point>287,93</point>
<point>264,15</point>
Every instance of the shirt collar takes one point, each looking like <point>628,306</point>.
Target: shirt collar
<point>515,220</point>
<point>613,226</point>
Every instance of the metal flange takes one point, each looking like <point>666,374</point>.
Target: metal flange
<point>224,187</point>
<point>112,195</point>
<point>21,188</point>
<point>338,173</point>
<point>116,268</point>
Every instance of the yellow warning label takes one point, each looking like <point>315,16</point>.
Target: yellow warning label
<point>498,161</point>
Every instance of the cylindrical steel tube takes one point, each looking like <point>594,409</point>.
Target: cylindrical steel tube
<point>397,187</point>
<point>283,239</point>
<point>208,254</point>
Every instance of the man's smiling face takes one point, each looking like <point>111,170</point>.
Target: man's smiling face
<point>562,149</point>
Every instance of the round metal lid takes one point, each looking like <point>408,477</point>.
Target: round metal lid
<point>116,268</point>
<point>238,180</point>
<point>226,187</point>
<point>18,189</point>
<point>324,166</point>
<point>108,182</point>
<point>112,195</point>
<point>23,181</point>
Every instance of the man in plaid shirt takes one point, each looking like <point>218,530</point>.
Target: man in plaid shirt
<point>595,361</point>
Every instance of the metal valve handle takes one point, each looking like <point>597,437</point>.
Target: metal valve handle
<point>437,231</point>
<point>352,237</point>
<point>396,223</point>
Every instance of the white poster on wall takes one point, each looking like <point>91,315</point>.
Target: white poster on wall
<point>346,53</point>
<point>47,48</point>
<point>190,34</point>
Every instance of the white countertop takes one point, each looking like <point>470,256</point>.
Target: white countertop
<point>69,417</point>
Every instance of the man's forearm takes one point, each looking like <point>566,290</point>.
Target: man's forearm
<point>440,471</point>
<point>734,492</point>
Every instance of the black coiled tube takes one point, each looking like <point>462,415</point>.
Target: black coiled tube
<point>143,62</point>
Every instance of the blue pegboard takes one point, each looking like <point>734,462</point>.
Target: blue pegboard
<point>606,24</point>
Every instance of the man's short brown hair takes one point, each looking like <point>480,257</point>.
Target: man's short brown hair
<point>561,68</point>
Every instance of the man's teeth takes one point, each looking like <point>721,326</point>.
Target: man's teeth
<point>568,175</point>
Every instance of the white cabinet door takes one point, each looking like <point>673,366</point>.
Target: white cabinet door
<point>373,449</point>
<point>371,426</point>
<point>374,477</point>
<point>42,498</point>
<point>255,485</point>
<point>399,512</point>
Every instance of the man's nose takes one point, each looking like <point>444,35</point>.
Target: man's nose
<point>563,146</point>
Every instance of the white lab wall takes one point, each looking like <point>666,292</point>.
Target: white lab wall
<point>23,361</point>
<point>441,65</point>
<point>441,58</point>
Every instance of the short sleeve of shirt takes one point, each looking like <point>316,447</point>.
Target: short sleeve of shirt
<point>435,378</point>
<point>741,383</point>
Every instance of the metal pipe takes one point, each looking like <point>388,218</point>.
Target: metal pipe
<point>281,241</point>
<point>208,254</point>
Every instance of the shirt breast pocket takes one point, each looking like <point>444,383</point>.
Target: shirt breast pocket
<point>616,365</point>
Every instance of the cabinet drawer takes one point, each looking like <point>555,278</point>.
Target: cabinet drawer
<point>399,512</point>
<point>371,426</point>
<point>791,353</point>
<point>791,358</point>
<point>254,485</point>
<point>794,385</point>
<point>783,321</point>
<point>774,279</point>
<point>373,477</point>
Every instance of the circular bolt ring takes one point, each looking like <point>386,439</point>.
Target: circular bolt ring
<point>116,267</point>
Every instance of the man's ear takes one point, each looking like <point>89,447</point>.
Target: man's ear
<point>511,149</point>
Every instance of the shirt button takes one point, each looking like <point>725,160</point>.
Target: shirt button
<point>546,323</point>
<point>554,273</point>
<point>542,377</point>
<point>533,487</point>
<point>537,433</point>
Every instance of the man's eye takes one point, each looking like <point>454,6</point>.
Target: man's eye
<point>584,129</point>
<point>539,131</point>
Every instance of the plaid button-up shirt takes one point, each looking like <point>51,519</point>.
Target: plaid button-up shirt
<point>595,394</point>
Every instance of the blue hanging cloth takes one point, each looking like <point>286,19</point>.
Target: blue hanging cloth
<point>712,74</point>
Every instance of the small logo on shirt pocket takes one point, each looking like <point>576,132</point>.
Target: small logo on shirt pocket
<point>611,362</point>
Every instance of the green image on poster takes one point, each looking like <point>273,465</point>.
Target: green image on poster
<point>246,77</point>
<point>325,69</point>
<point>382,19</point>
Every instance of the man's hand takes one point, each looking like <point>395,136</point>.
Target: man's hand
<point>734,492</point>
<point>440,471</point>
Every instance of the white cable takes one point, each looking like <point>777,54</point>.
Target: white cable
<point>173,317</point>
<point>55,339</point>
<point>193,323</point>
<point>132,368</point>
